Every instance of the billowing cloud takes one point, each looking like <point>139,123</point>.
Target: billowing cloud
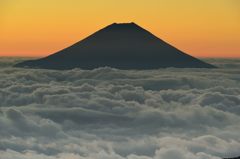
<point>110,113</point>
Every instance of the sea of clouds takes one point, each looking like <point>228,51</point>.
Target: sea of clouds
<point>108,113</point>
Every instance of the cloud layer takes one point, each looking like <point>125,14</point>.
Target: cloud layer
<point>109,113</point>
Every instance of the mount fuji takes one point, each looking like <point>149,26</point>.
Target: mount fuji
<point>119,45</point>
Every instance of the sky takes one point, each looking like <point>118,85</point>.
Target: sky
<point>202,28</point>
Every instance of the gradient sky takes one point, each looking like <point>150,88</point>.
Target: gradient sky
<point>202,28</point>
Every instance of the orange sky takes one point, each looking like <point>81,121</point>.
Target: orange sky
<point>202,28</point>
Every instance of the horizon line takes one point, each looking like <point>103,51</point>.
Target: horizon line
<point>202,57</point>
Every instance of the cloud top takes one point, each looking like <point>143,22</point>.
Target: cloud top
<point>110,113</point>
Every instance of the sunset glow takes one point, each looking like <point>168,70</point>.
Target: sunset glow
<point>201,28</point>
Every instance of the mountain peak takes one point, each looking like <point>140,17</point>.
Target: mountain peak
<point>121,26</point>
<point>131,23</point>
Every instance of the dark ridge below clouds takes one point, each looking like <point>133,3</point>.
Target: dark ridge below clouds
<point>121,114</point>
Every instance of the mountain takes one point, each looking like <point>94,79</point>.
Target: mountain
<point>123,46</point>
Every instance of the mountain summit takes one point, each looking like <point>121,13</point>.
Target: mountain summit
<point>119,45</point>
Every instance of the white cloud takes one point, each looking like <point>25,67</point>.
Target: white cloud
<point>110,113</point>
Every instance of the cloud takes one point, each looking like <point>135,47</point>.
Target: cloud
<point>10,61</point>
<point>110,113</point>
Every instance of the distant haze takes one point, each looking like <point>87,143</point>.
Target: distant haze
<point>201,28</point>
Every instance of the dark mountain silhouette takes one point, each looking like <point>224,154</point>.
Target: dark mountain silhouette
<point>123,46</point>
